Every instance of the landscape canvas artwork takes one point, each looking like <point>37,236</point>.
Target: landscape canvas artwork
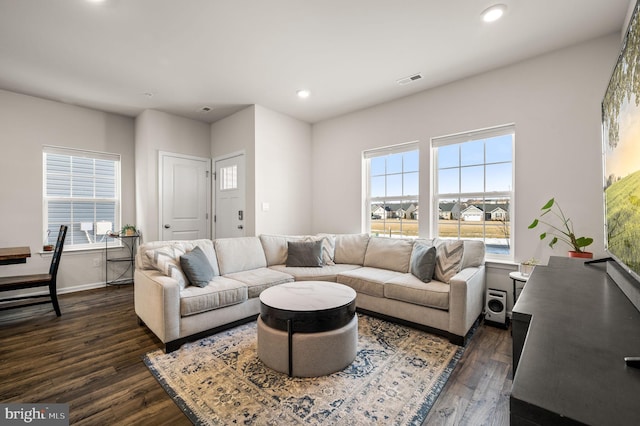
<point>621,145</point>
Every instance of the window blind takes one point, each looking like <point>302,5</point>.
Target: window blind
<point>81,188</point>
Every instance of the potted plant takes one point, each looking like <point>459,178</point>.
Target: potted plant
<point>47,246</point>
<point>526,267</point>
<point>563,232</point>
<point>128,230</point>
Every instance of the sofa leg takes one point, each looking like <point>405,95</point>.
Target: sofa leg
<point>457,340</point>
<point>172,346</point>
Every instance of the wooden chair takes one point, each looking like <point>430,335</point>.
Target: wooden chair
<point>37,280</point>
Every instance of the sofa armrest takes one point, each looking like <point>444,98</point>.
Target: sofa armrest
<point>466,299</point>
<point>157,303</point>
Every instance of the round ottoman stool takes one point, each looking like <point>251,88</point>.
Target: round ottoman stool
<point>307,329</point>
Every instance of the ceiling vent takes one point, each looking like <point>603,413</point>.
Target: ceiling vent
<point>409,79</point>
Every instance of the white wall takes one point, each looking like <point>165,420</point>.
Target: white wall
<point>231,135</point>
<point>283,173</point>
<point>157,131</point>
<point>27,124</point>
<point>554,101</point>
<point>277,152</point>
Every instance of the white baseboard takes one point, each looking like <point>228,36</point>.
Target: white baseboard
<point>63,290</point>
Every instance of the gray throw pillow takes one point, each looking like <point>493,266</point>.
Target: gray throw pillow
<point>304,253</point>
<point>196,267</point>
<point>423,262</point>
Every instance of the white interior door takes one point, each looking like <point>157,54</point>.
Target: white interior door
<point>184,197</point>
<point>230,197</point>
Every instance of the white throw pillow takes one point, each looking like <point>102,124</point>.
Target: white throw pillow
<point>328,247</point>
<point>167,260</point>
<point>448,259</point>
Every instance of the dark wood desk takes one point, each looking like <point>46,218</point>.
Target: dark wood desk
<point>572,328</point>
<point>12,255</point>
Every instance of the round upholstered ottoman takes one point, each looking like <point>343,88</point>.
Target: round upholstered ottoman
<point>307,329</point>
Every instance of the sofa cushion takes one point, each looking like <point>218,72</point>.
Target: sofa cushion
<point>304,253</point>
<point>448,259</point>
<point>473,253</point>
<point>218,293</point>
<point>275,247</point>
<point>326,273</point>
<point>167,260</point>
<point>239,254</point>
<point>260,279</point>
<point>351,248</point>
<point>196,267</point>
<point>367,280</point>
<point>389,253</point>
<point>144,262</point>
<point>423,262</point>
<point>409,288</point>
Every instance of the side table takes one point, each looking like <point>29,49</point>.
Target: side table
<point>517,276</point>
<point>125,274</point>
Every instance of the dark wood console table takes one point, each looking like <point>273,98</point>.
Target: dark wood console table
<point>572,328</point>
<point>11,255</point>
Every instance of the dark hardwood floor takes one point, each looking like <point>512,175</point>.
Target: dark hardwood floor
<point>91,358</point>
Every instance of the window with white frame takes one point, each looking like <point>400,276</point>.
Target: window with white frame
<point>392,177</point>
<point>81,190</point>
<point>229,178</point>
<point>473,188</point>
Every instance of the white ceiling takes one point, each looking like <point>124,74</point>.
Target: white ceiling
<point>229,54</point>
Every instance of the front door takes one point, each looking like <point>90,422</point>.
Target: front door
<point>230,194</point>
<point>184,206</point>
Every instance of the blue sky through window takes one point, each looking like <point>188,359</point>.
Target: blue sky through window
<point>477,166</point>
<point>395,175</point>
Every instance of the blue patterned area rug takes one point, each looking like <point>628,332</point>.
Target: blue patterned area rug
<point>395,379</point>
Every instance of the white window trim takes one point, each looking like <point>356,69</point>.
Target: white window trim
<point>50,149</point>
<point>462,137</point>
<point>378,152</point>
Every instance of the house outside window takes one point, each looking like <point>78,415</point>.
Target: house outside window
<point>391,190</point>
<point>473,188</point>
<point>81,190</point>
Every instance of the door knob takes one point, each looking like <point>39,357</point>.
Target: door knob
<point>240,227</point>
<point>167,226</point>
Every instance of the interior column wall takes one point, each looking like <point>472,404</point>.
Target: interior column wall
<point>283,174</point>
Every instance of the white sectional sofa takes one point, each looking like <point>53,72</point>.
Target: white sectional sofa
<point>378,269</point>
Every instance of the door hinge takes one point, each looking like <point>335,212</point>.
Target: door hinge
<point>207,173</point>
<point>214,217</point>
<point>206,216</point>
<point>215,175</point>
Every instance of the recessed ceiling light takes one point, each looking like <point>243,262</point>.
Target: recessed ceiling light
<point>493,13</point>
<point>96,1</point>
<point>303,93</point>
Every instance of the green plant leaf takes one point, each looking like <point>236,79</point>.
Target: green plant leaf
<point>533,224</point>
<point>543,235</point>
<point>549,204</point>
<point>553,242</point>
<point>584,241</point>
